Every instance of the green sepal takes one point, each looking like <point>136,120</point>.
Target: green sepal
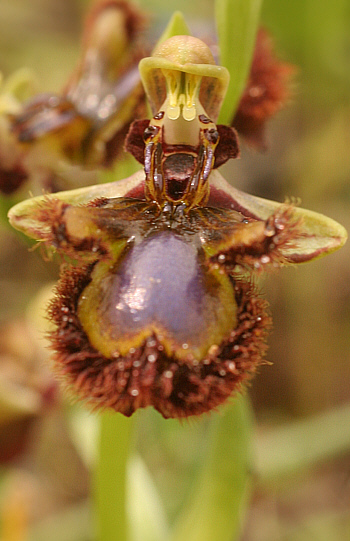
<point>318,234</point>
<point>23,216</point>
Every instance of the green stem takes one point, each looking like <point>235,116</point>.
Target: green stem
<point>110,477</point>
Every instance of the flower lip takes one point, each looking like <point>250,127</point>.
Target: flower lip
<point>147,375</point>
<point>162,285</point>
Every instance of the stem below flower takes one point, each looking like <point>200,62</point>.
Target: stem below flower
<point>110,477</point>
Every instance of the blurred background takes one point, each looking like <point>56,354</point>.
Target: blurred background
<point>307,386</point>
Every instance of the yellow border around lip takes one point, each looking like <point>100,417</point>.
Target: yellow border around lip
<point>102,340</point>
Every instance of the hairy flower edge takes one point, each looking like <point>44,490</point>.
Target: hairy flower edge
<point>147,376</point>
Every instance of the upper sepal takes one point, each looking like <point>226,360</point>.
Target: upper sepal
<point>189,55</point>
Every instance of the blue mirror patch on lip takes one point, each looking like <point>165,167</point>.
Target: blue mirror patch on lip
<point>163,285</point>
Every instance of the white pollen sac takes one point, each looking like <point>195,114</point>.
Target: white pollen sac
<point>182,108</point>
<point>182,89</point>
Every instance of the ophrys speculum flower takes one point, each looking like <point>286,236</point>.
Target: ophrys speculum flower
<point>185,89</point>
<point>159,307</point>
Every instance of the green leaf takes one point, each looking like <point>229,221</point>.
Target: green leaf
<point>145,510</point>
<point>237,22</point>
<point>83,429</point>
<point>220,496</point>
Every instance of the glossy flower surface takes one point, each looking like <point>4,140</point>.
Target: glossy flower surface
<point>158,305</point>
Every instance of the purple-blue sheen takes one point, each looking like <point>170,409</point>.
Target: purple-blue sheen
<point>163,281</point>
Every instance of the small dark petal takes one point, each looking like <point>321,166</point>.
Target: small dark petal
<point>265,94</point>
<point>134,142</point>
<point>228,146</point>
<point>147,376</point>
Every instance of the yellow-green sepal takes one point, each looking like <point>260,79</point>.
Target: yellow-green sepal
<point>24,215</point>
<point>318,234</point>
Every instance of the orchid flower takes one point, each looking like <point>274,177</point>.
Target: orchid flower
<point>157,304</point>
